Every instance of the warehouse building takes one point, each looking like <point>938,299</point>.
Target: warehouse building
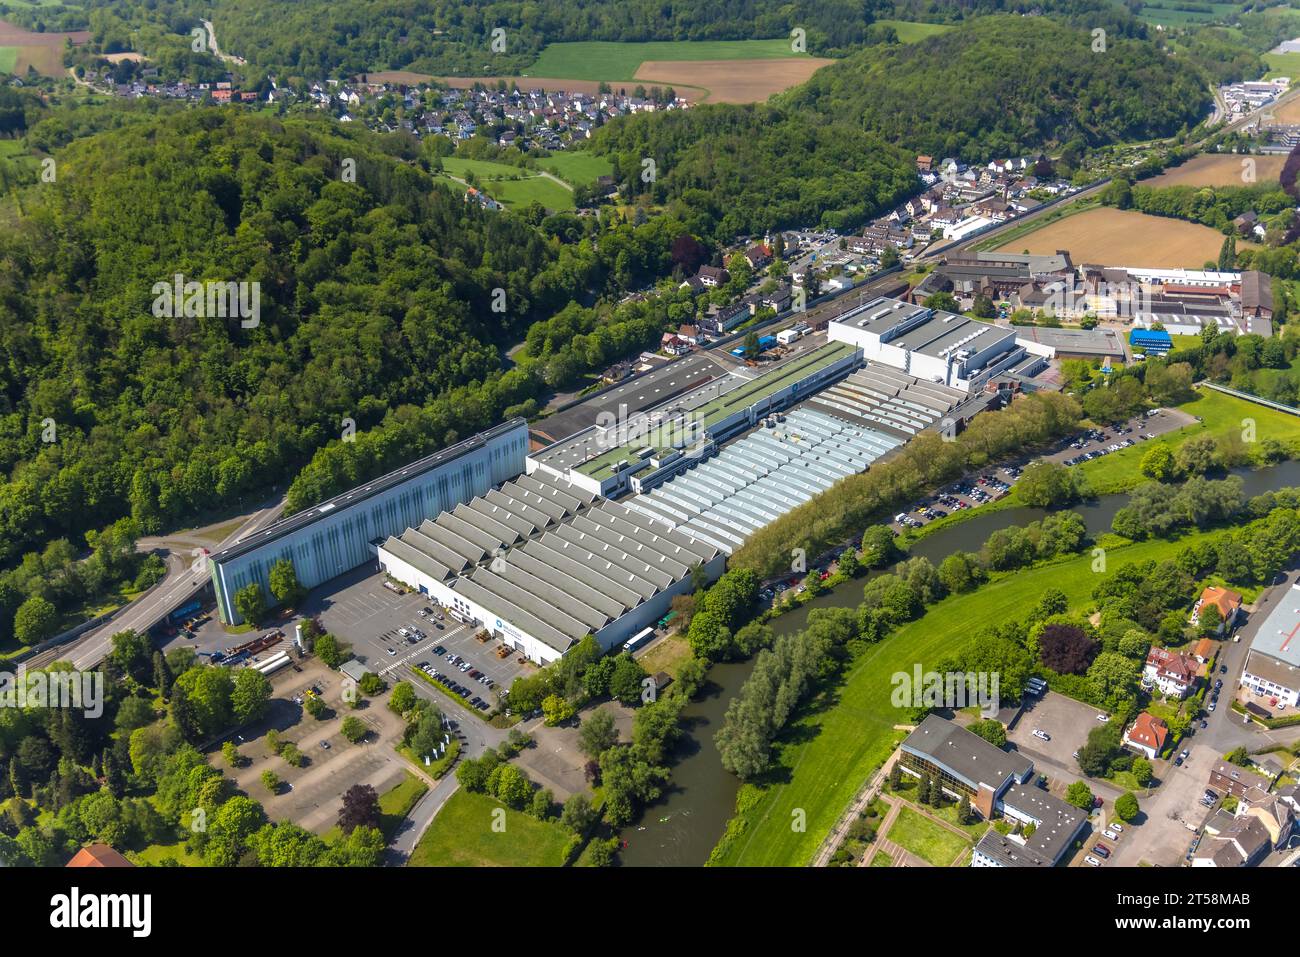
<point>1272,670</point>
<point>541,562</point>
<point>648,448</point>
<point>929,344</point>
<point>338,535</point>
<point>755,480</point>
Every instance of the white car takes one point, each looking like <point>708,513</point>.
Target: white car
<point>1092,861</point>
<point>1042,734</point>
<point>1102,718</point>
<point>1117,827</point>
<point>403,632</point>
<point>1110,834</point>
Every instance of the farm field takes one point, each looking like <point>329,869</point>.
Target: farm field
<point>462,836</point>
<point>510,184</point>
<point>729,81</point>
<point>577,169</point>
<point>1219,169</point>
<point>1287,113</point>
<point>602,60</point>
<point>21,48</point>
<point>827,755</point>
<point>1118,237</point>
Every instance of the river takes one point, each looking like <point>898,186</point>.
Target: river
<point>682,827</point>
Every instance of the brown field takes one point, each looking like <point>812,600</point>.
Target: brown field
<point>42,51</point>
<point>541,83</point>
<point>732,81</point>
<point>1219,169</point>
<point>1284,115</point>
<point>1118,237</point>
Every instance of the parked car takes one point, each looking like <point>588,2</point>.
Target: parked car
<point>1213,705</point>
<point>1088,858</point>
<point>1103,718</point>
<point>1110,833</point>
<point>1101,849</point>
<point>1116,826</point>
<point>1038,733</point>
<point>325,745</point>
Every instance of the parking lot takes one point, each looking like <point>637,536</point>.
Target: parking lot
<point>310,795</point>
<point>363,612</point>
<point>1066,722</point>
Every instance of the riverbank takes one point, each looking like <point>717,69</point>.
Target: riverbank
<point>847,732</point>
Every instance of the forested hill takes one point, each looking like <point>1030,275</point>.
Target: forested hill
<point>320,37</point>
<point>842,147</point>
<point>373,294</point>
<point>1009,85</point>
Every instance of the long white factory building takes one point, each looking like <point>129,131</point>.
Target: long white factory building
<point>542,563</point>
<point>545,558</point>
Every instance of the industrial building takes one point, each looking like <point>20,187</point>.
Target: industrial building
<point>636,453</point>
<point>929,344</point>
<point>541,562</point>
<point>1272,670</point>
<point>338,535</point>
<point>995,782</point>
<point>757,479</point>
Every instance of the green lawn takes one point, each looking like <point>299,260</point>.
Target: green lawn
<point>926,839</point>
<point>8,57</point>
<point>462,836</point>
<point>577,169</point>
<point>881,859</point>
<point>600,60</point>
<point>1220,414</point>
<point>157,853</point>
<point>511,184</point>
<point>396,803</point>
<point>833,751</point>
<point>909,32</point>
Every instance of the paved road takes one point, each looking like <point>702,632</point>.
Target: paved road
<point>185,573</point>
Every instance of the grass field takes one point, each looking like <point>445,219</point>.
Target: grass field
<point>830,753</point>
<point>1219,413</point>
<point>909,32</point>
<point>1220,169</point>
<point>1168,14</point>
<point>577,169</point>
<point>1122,237</point>
<point>510,184</point>
<point>462,836</point>
<point>927,840</point>
<point>1282,64</point>
<point>8,57</point>
<point>881,859</point>
<point>600,60</point>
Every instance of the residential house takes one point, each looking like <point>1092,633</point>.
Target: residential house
<point>1148,734</point>
<point>1228,603</point>
<point>1242,843</point>
<point>712,276</point>
<point>1172,673</point>
<point>758,255</point>
<point>1243,783</point>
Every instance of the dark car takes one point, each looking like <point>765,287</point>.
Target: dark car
<point>1223,670</point>
<point>1101,849</point>
<point>439,650</point>
<point>1178,761</point>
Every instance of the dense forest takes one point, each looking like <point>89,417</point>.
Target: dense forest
<point>1008,85</point>
<point>315,37</point>
<point>375,294</point>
